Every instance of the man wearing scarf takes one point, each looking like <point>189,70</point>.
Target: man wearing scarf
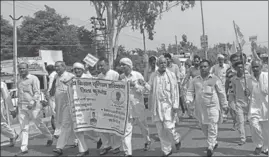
<point>258,111</point>
<point>79,71</point>
<point>209,98</point>
<point>164,89</point>
<point>137,108</point>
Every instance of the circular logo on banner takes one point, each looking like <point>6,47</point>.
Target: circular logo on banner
<point>117,97</point>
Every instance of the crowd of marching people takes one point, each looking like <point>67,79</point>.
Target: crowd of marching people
<point>198,90</point>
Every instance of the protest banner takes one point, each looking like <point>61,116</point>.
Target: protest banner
<point>99,105</point>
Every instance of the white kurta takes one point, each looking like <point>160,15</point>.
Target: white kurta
<point>258,111</point>
<point>63,114</point>
<point>136,113</point>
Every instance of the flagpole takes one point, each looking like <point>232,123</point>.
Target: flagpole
<point>241,52</point>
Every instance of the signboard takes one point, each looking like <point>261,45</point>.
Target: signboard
<point>253,38</point>
<point>99,105</point>
<point>204,41</point>
<point>90,60</point>
<point>51,56</point>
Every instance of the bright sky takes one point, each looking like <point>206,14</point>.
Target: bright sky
<point>250,16</point>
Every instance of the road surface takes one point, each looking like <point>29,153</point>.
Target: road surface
<point>193,143</point>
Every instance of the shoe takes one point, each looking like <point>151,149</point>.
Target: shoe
<point>99,144</point>
<point>265,152</point>
<point>170,153</point>
<point>127,155</point>
<point>178,145</point>
<point>56,136</point>
<point>13,140</point>
<point>105,150</point>
<point>58,151</point>
<point>49,143</point>
<point>210,152</point>
<point>116,151</point>
<point>241,143</point>
<point>147,146</point>
<point>73,145</point>
<point>21,153</point>
<point>216,146</point>
<point>258,151</point>
<point>83,154</point>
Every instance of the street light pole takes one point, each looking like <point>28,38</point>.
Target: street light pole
<point>203,25</point>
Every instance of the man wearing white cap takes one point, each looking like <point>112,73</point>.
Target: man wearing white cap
<point>109,141</point>
<point>79,71</point>
<point>137,108</point>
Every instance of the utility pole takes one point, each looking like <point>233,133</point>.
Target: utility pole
<point>176,44</point>
<point>203,25</point>
<point>15,55</point>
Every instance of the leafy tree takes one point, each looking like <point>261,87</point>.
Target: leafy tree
<point>139,14</point>
<point>49,30</point>
<point>6,39</point>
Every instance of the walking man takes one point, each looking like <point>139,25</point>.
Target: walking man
<point>258,111</point>
<point>6,102</point>
<point>164,88</point>
<point>209,98</point>
<point>110,141</point>
<point>29,107</point>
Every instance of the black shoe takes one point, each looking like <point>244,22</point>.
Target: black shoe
<point>49,143</point>
<point>105,150</point>
<point>56,136</point>
<point>58,151</point>
<point>210,152</point>
<point>258,151</point>
<point>13,140</point>
<point>83,154</point>
<point>216,146</point>
<point>116,151</point>
<point>147,146</point>
<point>265,152</point>
<point>178,145</point>
<point>99,144</point>
<point>241,143</point>
<point>21,153</point>
<point>170,153</point>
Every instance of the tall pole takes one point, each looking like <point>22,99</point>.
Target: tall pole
<point>203,26</point>
<point>176,44</point>
<point>15,55</point>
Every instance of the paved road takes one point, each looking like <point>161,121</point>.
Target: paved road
<point>193,143</point>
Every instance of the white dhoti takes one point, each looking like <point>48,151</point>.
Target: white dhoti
<point>127,139</point>
<point>259,132</point>
<point>25,116</point>
<point>167,133</point>
<point>110,140</point>
<point>7,131</point>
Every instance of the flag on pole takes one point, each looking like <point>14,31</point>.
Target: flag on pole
<point>239,35</point>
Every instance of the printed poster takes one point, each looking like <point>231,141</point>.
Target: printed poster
<point>99,105</point>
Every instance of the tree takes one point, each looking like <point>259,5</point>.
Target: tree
<point>135,13</point>
<point>49,30</point>
<point>6,39</point>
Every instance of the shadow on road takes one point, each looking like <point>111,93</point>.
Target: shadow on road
<point>235,152</point>
<point>200,151</point>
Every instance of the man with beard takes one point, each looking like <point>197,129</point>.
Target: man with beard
<point>258,111</point>
<point>110,141</point>
<point>164,88</point>
<point>209,98</point>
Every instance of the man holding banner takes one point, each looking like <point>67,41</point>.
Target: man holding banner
<point>79,70</point>
<point>137,108</point>
<point>109,141</point>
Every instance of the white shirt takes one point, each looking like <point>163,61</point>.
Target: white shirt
<point>110,75</point>
<point>220,71</point>
<point>51,79</point>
